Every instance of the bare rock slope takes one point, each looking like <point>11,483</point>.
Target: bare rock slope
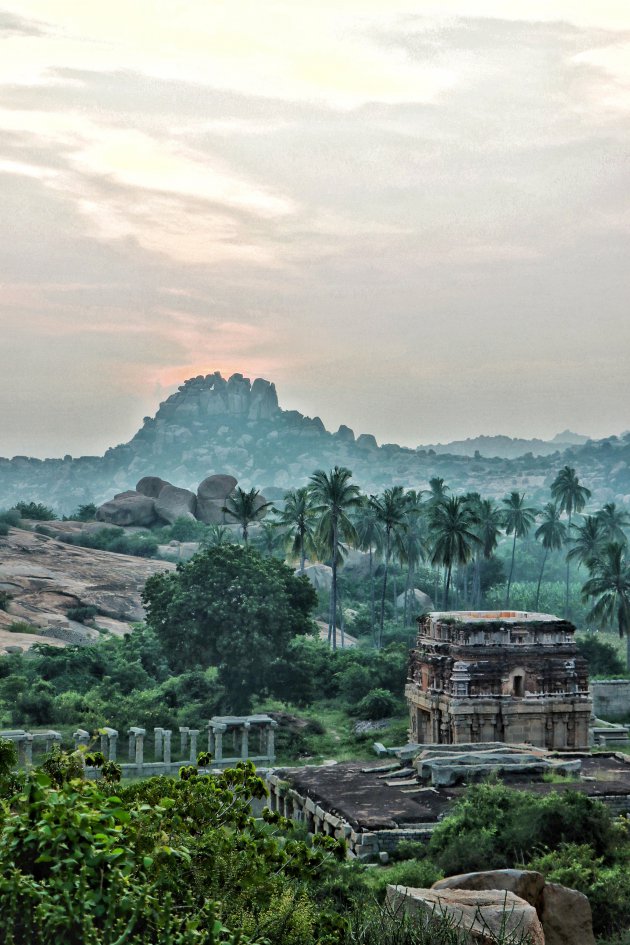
<point>46,577</point>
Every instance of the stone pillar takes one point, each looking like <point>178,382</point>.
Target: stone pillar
<point>28,749</point>
<point>112,737</point>
<point>245,741</point>
<point>211,739</point>
<point>271,750</point>
<point>158,743</point>
<point>81,737</point>
<point>183,736</point>
<point>140,748</point>
<point>218,742</point>
<point>193,732</point>
<point>104,742</point>
<point>166,736</point>
<point>132,745</point>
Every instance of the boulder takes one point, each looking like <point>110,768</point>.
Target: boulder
<point>151,486</point>
<point>566,916</point>
<point>345,434</point>
<point>526,884</point>
<point>264,400</point>
<point>417,601</point>
<point>211,496</point>
<point>173,503</point>
<point>485,915</point>
<point>320,576</point>
<point>128,508</point>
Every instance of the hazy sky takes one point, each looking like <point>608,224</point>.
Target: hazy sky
<point>414,217</point>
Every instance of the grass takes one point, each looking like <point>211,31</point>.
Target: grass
<point>21,626</point>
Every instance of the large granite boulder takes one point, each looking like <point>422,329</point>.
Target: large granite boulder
<point>263,400</point>
<point>566,916</point>
<point>417,601</point>
<point>173,503</point>
<point>211,496</point>
<point>485,915</point>
<point>527,884</point>
<point>151,486</point>
<point>128,508</point>
<point>320,576</point>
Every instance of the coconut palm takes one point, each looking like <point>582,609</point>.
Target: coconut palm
<point>334,496</point>
<point>488,525</point>
<point>297,521</point>
<point>245,508</point>
<point>370,539</point>
<point>437,490</point>
<point>614,523</point>
<point>453,537</point>
<point>588,541</point>
<point>517,520</point>
<point>552,534</point>
<point>412,543</point>
<point>216,536</point>
<point>571,497</point>
<point>609,587</point>
<point>390,511</point>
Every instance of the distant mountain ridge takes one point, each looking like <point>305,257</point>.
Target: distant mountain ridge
<point>235,426</point>
<point>508,447</point>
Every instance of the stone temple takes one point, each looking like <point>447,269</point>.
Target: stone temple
<point>498,676</point>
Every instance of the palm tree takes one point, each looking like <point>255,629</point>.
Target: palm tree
<point>334,496</point>
<point>589,541</point>
<point>412,543</point>
<point>216,536</point>
<point>552,533</point>
<point>517,520</point>
<point>297,519</point>
<point>437,490</point>
<point>609,586</point>
<point>614,522</point>
<point>571,497</point>
<point>390,511</point>
<point>370,539</point>
<point>488,525</point>
<point>452,530</point>
<point>245,508</point>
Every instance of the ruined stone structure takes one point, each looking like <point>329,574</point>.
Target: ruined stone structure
<point>502,676</point>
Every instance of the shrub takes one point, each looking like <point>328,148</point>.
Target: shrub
<point>36,511</point>
<point>377,704</point>
<point>602,657</point>
<point>21,626</point>
<point>10,517</point>
<point>5,600</point>
<point>82,613</point>
<point>4,529</point>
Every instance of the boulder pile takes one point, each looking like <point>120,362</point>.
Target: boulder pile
<point>155,501</point>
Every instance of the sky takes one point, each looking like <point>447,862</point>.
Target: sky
<point>414,217</point>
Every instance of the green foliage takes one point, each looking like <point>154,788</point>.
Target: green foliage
<point>10,517</point>
<point>377,704</point>
<point>84,513</point>
<point>5,600</point>
<point>82,613</point>
<point>493,827</point>
<point>602,657</point>
<point>4,529</point>
<point>21,626</point>
<point>140,544</point>
<point>232,608</point>
<point>35,511</point>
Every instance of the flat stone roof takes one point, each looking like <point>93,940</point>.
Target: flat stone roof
<point>469,616</point>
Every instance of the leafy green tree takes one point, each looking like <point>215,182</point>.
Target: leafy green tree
<point>370,539</point>
<point>35,511</point>
<point>453,537</point>
<point>297,521</point>
<point>551,533</point>
<point>232,608</point>
<point>391,509</point>
<point>517,520</point>
<point>84,513</point>
<point>571,497</point>
<point>609,589</point>
<point>334,497</point>
<point>245,508</point>
<point>601,656</point>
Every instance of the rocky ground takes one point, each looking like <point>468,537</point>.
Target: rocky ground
<point>46,577</point>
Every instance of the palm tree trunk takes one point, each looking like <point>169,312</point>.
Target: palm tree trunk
<point>245,537</point>
<point>372,603</point>
<point>507,596</point>
<point>334,588</point>
<point>302,554</point>
<point>541,576</point>
<point>447,586</point>
<point>395,596</point>
<point>380,636</point>
<point>342,622</point>
<point>407,592</point>
<point>567,612</point>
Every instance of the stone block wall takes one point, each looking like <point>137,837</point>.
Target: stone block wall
<point>611,698</point>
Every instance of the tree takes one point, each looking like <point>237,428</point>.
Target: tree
<point>390,511</point>
<point>571,497</point>
<point>245,508</point>
<point>614,523</point>
<point>453,537</point>
<point>588,541</point>
<point>297,520</point>
<point>551,533</point>
<point>370,539</point>
<point>609,588</point>
<point>412,543</point>
<point>334,496</point>
<point>488,524</point>
<point>232,608</point>
<point>517,520</point>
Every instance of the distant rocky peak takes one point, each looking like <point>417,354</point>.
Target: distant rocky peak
<point>212,395</point>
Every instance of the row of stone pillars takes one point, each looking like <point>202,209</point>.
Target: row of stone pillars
<point>240,728</point>
<point>24,742</point>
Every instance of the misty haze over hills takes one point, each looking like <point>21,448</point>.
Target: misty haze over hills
<point>236,426</point>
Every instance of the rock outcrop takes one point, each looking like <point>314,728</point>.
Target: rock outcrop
<point>173,503</point>
<point>128,508</point>
<point>211,497</point>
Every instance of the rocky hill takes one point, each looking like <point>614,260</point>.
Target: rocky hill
<point>508,447</point>
<point>236,428</point>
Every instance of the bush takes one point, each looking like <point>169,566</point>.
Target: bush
<point>4,529</point>
<point>602,657</point>
<point>377,704</point>
<point>10,517</point>
<point>82,613</point>
<point>36,511</point>
<point>5,600</point>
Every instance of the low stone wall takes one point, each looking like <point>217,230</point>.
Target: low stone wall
<point>611,698</point>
